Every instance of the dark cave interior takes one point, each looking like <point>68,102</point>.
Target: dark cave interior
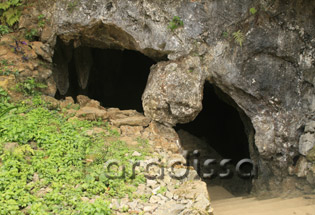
<point>218,133</point>
<point>117,78</point>
<point>220,124</point>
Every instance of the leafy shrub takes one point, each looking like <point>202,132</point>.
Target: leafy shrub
<point>31,34</point>
<point>4,30</point>
<point>239,37</point>
<point>56,155</point>
<point>10,12</point>
<point>5,70</point>
<point>253,11</point>
<point>41,20</point>
<point>72,5</point>
<point>30,86</point>
<point>175,23</point>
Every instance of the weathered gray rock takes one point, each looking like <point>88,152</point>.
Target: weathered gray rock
<point>310,127</point>
<point>307,142</point>
<point>174,91</point>
<point>91,113</point>
<point>132,121</point>
<point>270,77</point>
<point>170,208</point>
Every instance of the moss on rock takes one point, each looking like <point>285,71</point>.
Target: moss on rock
<point>311,155</point>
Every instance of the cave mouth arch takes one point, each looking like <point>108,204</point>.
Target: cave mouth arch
<point>115,77</point>
<point>220,131</point>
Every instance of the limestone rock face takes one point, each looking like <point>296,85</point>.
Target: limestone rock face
<point>83,64</point>
<point>174,91</point>
<point>270,74</point>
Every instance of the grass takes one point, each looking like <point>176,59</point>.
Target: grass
<point>5,68</point>
<point>49,164</point>
<point>175,23</point>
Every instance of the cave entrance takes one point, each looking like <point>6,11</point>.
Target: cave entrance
<point>219,133</point>
<point>116,78</point>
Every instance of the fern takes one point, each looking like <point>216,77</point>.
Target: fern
<point>239,37</point>
<point>5,5</point>
<point>12,16</point>
<point>10,12</point>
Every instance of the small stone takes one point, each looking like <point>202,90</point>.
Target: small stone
<point>94,104</point>
<point>136,154</point>
<point>169,195</point>
<point>184,201</point>
<point>310,127</point>
<point>82,100</point>
<point>301,167</point>
<point>85,199</point>
<point>170,208</point>
<point>202,203</point>
<point>91,113</point>
<point>154,199</point>
<point>131,130</point>
<point>133,205</point>
<point>68,102</point>
<point>10,146</point>
<point>115,204</point>
<point>175,197</point>
<point>307,142</point>
<point>154,191</point>
<point>132,121</point>
<point>35,177</point>
<point>149,208</point>
<point>40,50</point>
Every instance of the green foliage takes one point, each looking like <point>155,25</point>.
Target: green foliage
<point>41,21</point>
<point>175,23</point>
<point>239,37</point>
<point>4,102</point>
<point>10,12</point>
<point>46,170</point>
<point>225,34</point>
<point>5,70</point>
<point>30,87</point>
<point>72,5</point>
<point>253,11</point>
<point>31,34</point>
<point>4,30</point>
<point>162,190</point>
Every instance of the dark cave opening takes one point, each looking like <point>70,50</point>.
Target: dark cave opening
<point>218,133</point>
<point>116,78</point>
